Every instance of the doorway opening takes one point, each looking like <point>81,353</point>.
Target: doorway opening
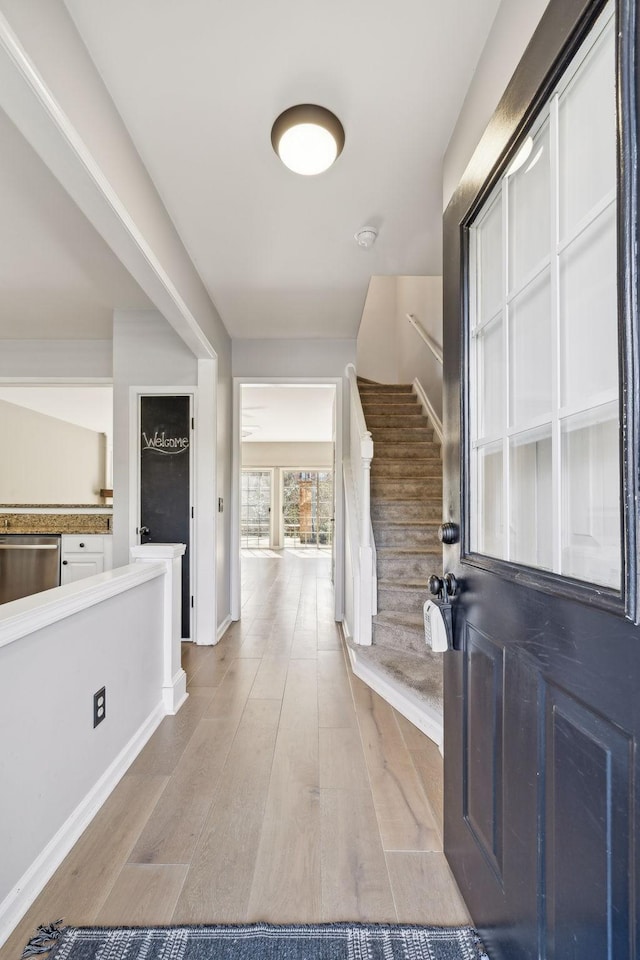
<point>287,487</point>
<point>60,434</point>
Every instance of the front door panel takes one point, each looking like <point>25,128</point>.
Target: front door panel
<point>587,758</point>
<point>484,744</point>
<point>541,420</point>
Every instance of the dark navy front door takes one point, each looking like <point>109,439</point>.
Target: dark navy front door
<point>542,688</point>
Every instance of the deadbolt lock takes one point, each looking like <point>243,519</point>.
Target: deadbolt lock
<point>448,533</point>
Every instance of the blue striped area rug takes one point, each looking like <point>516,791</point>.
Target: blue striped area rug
<point>260,941</point>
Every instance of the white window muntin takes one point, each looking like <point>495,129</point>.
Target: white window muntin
<point>485,314</point>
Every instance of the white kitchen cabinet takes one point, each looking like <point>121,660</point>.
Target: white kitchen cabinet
<point>84,556</point>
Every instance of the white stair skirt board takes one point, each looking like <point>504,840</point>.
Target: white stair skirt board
<point>399,697</point>
<point>224,626</point>
<point>421,394</point>
<point>31,883</point>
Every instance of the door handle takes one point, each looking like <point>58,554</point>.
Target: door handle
<point>144,531</point>
<point>447,585</point>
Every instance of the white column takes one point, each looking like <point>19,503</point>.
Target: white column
<point>174,681</point>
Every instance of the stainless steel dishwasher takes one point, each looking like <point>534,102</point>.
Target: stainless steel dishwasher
<point>28,564</point>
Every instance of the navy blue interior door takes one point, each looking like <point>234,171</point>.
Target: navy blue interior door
<point>165,486</point>
<point>542,688</point>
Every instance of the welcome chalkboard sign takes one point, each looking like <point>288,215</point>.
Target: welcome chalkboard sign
<point>165,480</point>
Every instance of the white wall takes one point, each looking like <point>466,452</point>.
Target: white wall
<point>422,297</point>
<point>377,345</point>
<point>510,33</point>
<point>51,756</point>
<point>389,348</point>
<point>46,359</point>
<point>296,359</point>
<point>292,358</point>
<point>287,454</point>
<point>48,461</point>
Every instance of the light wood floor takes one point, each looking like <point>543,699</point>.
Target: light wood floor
<point>284,790</point>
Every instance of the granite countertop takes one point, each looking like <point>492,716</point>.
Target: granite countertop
<point>56,506</point>
<point>56,523</point>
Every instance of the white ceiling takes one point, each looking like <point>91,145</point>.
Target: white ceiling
<point>58,278</point>
<point>89,407</point>
<point>287,413</point>
<point>199,83</point>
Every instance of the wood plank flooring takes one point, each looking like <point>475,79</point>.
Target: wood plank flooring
<point>284,790</point>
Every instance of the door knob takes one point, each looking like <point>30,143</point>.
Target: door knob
<point>436,585</point>
<point>144,531</point>
<point>439,585</point>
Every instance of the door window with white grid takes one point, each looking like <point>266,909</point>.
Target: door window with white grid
<point>544,422</point>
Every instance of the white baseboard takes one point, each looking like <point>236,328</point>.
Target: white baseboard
<point>175,693</point>
<point>224,626</point>
<point>426,403</point>
<point>399,698</point>
<point>19,899</point>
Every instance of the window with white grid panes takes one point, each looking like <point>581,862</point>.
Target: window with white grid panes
<point>544,422</point>
<point>255,508</point>
<point>307,508</point>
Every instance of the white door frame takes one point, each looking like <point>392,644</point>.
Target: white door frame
<point>135,395</point>
<point>205,579</point>
<point>238,383</point>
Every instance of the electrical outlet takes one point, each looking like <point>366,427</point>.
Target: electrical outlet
<point>99,706</point>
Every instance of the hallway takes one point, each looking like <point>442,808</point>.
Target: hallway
<point>285,790</point>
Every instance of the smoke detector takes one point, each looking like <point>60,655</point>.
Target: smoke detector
<point>366,237</point>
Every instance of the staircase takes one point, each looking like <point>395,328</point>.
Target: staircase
<point>406,510</point>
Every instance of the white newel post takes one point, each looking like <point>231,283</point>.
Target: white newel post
<point>174,682</point>
<point>366,553</point>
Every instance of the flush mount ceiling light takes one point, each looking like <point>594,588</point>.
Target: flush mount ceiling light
<point>307,138</point>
